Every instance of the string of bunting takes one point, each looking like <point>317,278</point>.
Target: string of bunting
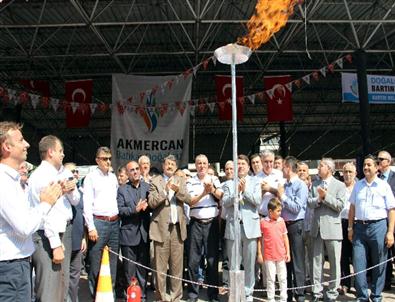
<point>136,103</point>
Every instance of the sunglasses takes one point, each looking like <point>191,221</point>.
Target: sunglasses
<point>381,158</point>
<point>74,171</point>
<point>105,158</point>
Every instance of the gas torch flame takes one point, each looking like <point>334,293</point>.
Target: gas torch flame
<point>269,17</point>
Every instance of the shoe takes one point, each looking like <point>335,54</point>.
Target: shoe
<point>343,290</point>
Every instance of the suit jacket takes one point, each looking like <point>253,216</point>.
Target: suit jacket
<point>391,181</point>
<point>134,225</point>
<point>248,208</point>
<point>77,231</point>
<point>326,218</point>
<point>160,205</point>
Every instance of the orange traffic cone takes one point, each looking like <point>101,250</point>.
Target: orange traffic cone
<point>104,286</point>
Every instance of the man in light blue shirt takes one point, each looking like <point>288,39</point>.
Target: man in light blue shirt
<point>18,221</point>
<point>372,207</point>
<point>294,200</point>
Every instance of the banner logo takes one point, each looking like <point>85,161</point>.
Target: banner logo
<point>150,114</point>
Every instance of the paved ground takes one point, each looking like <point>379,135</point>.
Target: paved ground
<point>85,297</point>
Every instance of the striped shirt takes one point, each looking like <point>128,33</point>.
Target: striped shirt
<point>206,207</point>
<point>18,221</point>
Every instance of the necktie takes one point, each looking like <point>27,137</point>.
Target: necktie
<point>382,176</point>
<point>324,184</point>
<point>173,207</point>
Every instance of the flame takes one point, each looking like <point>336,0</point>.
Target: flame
<point>269,17</point>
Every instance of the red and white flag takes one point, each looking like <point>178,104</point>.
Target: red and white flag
<point>279,101</point>
<point>78,92</point>
<point>39,86</point>
<point>224,95</point>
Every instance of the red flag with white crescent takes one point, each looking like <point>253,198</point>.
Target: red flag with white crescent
<point>39,86</point>
<point>224,92</point>
<point>78,92</point>
<point>279,103</point>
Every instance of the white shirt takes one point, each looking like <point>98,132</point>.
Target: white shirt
<point>61,212</point>
<point>372,201</point>
<point>274,179</point>
<point>206,207</point>
<point>18,221</point>
<point>100,196</point>
<point>346,209</point>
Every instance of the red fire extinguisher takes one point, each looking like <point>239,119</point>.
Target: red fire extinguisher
<point>134,291</point>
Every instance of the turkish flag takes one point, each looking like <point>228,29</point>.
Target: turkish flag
<point>223,86</point>
<point>279,100</point>
<point>79,96</point>
<point>40,86</point>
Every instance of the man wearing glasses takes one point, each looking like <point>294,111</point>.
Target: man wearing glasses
<point>101,215</point>
<point>371,204</point>
<point>386,174</point>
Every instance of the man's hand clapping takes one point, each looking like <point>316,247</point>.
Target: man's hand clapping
<point>51,193</point>
<point>141,205</point>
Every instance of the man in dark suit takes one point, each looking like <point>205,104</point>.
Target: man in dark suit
<point>135,218</point>
<point>385,173</point>
<point>168,228</point>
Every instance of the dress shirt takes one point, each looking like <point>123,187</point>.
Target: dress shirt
<point>384,176</point>
<point>274,179</point>
<point>206,207</point>
<point>346,209</point>
<point>100,196</point>
<point>294,199</point>
<point>61,212</point>
<point>372,201</point>
<point>18,221</point>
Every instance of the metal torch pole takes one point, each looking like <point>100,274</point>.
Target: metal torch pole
<point>236,276</point>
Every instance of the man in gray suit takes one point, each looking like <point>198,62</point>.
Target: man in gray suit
<point>250,198</point>
<point>327,198</point>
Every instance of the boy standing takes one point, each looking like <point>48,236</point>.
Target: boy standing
<point>275,247</point>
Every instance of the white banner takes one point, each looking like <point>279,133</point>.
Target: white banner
<point>381,88</point>
<point>147,125</point>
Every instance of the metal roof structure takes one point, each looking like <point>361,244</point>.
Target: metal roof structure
<point>65,40</point>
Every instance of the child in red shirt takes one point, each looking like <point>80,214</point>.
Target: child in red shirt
<point>273,250</point>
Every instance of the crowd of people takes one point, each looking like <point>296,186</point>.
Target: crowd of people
<point>287,223</point>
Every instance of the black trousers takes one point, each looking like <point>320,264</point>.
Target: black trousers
<point>203,236</point>
<point>346,256</point>
<point>140,254</point>
<point>296,268</point>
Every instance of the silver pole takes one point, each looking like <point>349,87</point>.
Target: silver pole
<point>235,167</point>
<point>233,54</point>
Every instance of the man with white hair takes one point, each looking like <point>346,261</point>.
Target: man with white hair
<point>327,198</point>
<point>145,166</point>
<point>270,180</point>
